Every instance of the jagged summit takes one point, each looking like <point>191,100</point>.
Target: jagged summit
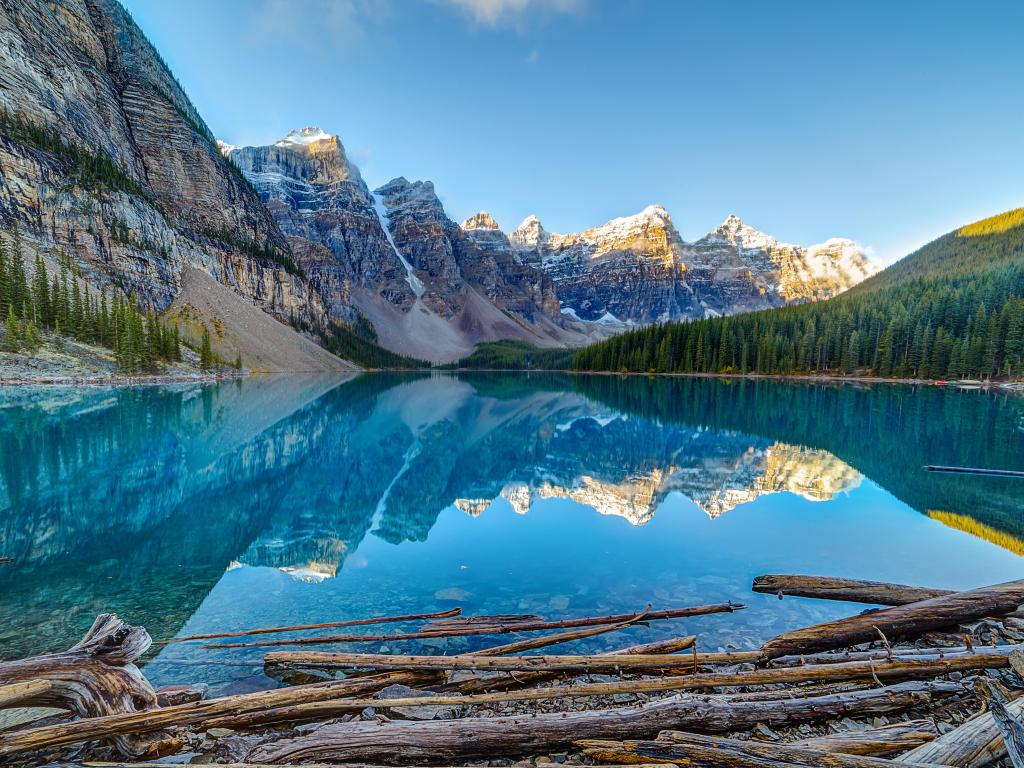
<point>308,135</point>
<point>482,220</point>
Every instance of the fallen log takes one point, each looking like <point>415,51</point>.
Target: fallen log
<point>301,627</point>
<point>715,752</point>
<point>479,684</point>
<point>381,661</point>
<point>263,702</point>
<point>439,740</point>
<point>878,742</point>
<point>17,694</point>
<point>468,621</point>
<point>837,657</point>
<point>902,621</point>
<point>273,667</point>
<point>849,590</point>
<point>495,629</point>
<point>1009,726</point>
<point>95,677</point>
<point>833,672</point>
<point>92,764</point>
<point>976,743</point>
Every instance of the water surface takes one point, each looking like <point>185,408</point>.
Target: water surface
<point>291,500</point>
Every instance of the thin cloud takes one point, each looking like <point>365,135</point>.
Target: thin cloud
<point>317,25</point>
<point>532,57</point>
<point>517,13</point>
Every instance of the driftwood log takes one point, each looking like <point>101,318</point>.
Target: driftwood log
<point>574,663</point>
<point>849,590</point>
<point>494,629</point>
<point>95,677</point>
<point>441,740</point>
<point>302,627</point>
<point>716,752</point>
<point>902,621</point>
<point>1010,727</point>
<point>879,742</point>
<point>523,679</point>
<point>974,744</point>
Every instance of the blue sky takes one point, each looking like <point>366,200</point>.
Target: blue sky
<point>886,122</point>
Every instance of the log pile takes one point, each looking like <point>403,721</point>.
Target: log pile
<point>907,685</point>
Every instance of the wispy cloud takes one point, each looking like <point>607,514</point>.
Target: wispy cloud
<point>320,26</point>
<point>532,57</point>
<point>516,13</point>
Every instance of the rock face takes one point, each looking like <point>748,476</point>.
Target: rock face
<point>82,73</point>
<point>430,288</point>
<point>327,212</point>
<point>638,269</point>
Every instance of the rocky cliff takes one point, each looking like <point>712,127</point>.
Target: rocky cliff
<point>430,288</point>
<point>638,269</point>
<point>103,156</point>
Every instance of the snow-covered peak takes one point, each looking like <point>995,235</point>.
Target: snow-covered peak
<point>308,135</point>
<point>628,226</point>
<point>482,220</point>
<point>224,148</point>
<point>529,234</point>
<point>735,230</point>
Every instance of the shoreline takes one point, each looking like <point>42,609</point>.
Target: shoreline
<point>1011,386</point>
<point>157,379</point>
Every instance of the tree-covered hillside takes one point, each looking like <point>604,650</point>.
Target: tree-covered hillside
<point>954,308</point>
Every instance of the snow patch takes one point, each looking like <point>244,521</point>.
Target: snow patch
<point>414,282</point>
<point>309,135</point>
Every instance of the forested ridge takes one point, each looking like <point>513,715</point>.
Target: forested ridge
<point>954,308</point>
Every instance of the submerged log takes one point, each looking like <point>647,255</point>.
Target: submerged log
<point>95,677</point>
<point>494,629</point>
<point>301,627</point>
<point>4,560</point>
<point>976,743</point>
<point>901,621</point>
<point>849,590</point>
<point>690,749</point>
<point>439,740</point>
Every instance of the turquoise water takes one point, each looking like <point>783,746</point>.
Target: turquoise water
<point>267,502</point>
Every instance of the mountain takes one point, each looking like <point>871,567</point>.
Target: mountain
<point>105,158</point>
<point>393,258</point>
<point>639,270</point>
<point>952,309</point>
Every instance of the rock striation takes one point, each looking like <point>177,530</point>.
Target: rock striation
<point>81,88</point>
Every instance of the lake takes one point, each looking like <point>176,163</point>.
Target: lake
<point>276,501</point>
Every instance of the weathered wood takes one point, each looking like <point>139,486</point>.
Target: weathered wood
<point>147,721</point>
<point>468,621</point>
<point>853,671</point>
<point>879,742</point>
<point>494,629</point>
<point>576,663</point>
<point>849,590</point>
<point>974,744</point>
<point>837,657</point>
<point>93,764</point>
<point>901,621</point>
<point>18,694</point>
<point>698,751</point>
<point>95,677</point>
<point>440,740</point>
<point>1009,726</point>
<point>169,695</point>
<point>521,680</point>
<point>301,627</point>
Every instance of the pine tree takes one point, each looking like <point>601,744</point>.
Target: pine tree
<point>12,341</point>
<point>205,352</point>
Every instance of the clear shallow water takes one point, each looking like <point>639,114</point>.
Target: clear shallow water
<point>292,500</point>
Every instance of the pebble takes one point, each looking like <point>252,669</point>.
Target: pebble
<point>219,733</point>
<point>765,732</point>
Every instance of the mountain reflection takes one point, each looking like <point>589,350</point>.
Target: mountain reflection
<point>137,500</point>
